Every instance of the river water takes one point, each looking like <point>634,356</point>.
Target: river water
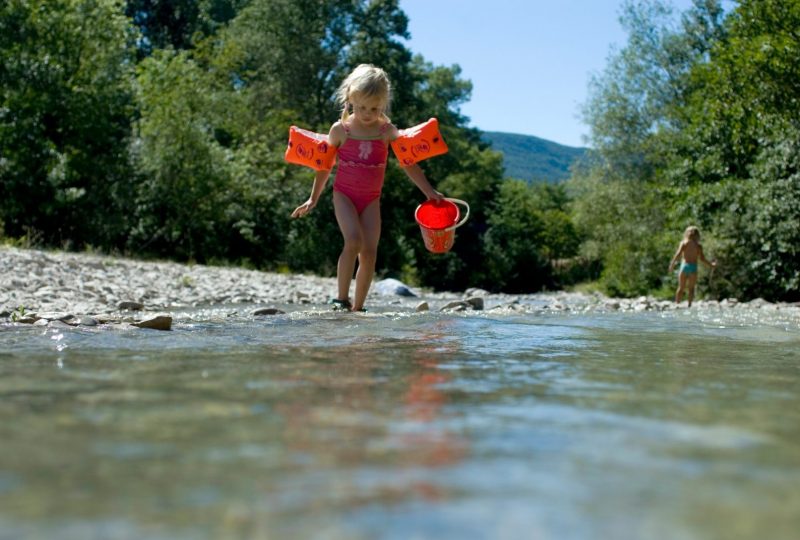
<point>400,425</point>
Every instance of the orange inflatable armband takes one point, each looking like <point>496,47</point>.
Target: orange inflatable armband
<point>419,142</point>
<point>310,149</point>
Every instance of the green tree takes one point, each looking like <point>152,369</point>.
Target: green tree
<point>560,237</point>
<point>734,162</point>
<point>624,193</point>
<point>290,56</point>
<point>163,134</point>
<point>514,242</point>
<point>178,24</point>
<point>633,98</point>
<point>185,172</point>
<point>65,109</point>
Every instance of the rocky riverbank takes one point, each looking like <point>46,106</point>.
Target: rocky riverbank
<point>53,287</point>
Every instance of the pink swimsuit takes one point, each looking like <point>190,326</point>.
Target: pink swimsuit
<point>362,164</point>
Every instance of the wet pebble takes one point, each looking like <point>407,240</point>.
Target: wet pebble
<point>156,322</point>
<point>267,311</point>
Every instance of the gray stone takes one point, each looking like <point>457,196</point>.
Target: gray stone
<point>456,305</point>
<point>55,324</point>
<point>132,306</point>
<point>390,286</point>
<point>156,322</point>
<point>476,302</point>
<point>422,306</point>
<point>267,311</point>
<point>474,291</point>
<point>56,316</point>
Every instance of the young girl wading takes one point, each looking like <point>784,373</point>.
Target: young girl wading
<point>691,251</point>
<point>362,137</point>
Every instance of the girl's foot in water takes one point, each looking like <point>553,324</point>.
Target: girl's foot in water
<point>341,305</point>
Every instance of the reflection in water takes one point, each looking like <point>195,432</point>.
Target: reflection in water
<point>397,426</point>
<point>425,437</point>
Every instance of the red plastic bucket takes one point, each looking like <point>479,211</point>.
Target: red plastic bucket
<point>438,222</point>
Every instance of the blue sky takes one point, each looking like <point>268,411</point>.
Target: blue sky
<point>529,61</point>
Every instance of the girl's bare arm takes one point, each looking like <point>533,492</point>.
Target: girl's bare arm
<point>417,176</point>
<point>676,257</point>
<point>320,180</point>
<point>702,257</point>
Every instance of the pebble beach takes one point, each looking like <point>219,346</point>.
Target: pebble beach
<point>85,289</point>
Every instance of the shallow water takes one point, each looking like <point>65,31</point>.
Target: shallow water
<point>402,425</point>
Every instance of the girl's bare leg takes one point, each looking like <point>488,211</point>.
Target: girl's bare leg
<point>681,287</point>
<point>691,282</point>
<point>349,224</point>
<point>371,234</point>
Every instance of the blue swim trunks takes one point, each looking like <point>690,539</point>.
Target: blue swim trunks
<point>688,268</point>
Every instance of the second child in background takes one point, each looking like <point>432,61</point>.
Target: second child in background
<point>691,251</point>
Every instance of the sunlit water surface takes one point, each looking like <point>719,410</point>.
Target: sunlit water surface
<point>402,425</point>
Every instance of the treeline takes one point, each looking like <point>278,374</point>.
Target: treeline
<point>697,121</point>
<point>157,129</point>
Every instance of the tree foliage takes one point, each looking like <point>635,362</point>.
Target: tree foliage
<point>178,24</point>
<point>65,113</point>
<point>737,155</point>
<point>185,173</point>
<point>158,128</point>
<point>694,121</point>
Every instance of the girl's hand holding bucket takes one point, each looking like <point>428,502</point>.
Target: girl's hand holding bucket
<point>436,196</point>
<point>438,221</point>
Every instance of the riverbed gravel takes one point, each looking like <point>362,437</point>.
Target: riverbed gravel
<point>57,287</point>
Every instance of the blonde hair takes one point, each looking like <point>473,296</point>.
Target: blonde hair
<point>365,82</point>
<point>691,233</point>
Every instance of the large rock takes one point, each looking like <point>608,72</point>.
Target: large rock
<point>389,286</point>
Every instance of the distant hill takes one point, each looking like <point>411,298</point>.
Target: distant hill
<point>533,159</point>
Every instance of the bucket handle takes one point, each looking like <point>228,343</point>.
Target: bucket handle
<point>466,215</point>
